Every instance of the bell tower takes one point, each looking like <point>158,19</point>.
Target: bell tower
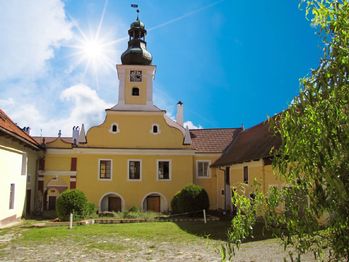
<point>136,73</point>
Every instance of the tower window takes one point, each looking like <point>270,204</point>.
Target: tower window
<point>155,129</point>
<point>135,91</point>
<point>114,128</point>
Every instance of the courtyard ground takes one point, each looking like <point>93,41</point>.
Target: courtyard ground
<point>161,241</point>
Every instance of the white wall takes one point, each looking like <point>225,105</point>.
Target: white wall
<point>13,166</point>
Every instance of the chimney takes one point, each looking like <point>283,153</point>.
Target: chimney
<point>179,116</point>
<point>75,134</point>
<point>26,129</point>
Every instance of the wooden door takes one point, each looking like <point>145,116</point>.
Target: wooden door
<point>153,203</point>
<point>51,203</point>
<point>114,204</point>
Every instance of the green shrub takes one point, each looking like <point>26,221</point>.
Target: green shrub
<point>73,201</point>
<point>189,199</point>
<point>133,209</point>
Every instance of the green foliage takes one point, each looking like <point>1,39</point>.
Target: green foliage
<point>190,198</point>
<point>133,209</point>
<point>312,212</point>
<point>73,201</point>
<point>243,222</point>
<point>314,156</point>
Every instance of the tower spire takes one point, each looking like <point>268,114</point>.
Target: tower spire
<point>136,53</point>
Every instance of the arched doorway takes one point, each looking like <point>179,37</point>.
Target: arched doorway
<point>112,202</point>
<point>155,202</point>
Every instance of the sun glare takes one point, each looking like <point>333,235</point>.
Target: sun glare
<point>92,49</point>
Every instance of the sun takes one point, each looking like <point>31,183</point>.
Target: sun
<point>94,52</point>
<point>92,49</point>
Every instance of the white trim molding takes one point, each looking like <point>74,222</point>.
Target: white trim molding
<point>122,151</point>
<point>111,194</point>
<point>56,173</point>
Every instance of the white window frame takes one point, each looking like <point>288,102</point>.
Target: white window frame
<point>208,169</point>
<point>169,169</point>
<point>152,127</point>
<point>140,170</point>
<point>117,128</point>
<point>99,168</point>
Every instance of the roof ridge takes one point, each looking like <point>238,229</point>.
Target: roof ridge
<point>215,128</point>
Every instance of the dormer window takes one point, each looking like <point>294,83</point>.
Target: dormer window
<point>155,129</point>
<point>114,128</point>
<point>135,91</point>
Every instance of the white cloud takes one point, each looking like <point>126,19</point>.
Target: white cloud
<point>191,125</point>
<point>29,32</point>
<point>7,102</point>
<point>84,106</point>
<point>87,108</point>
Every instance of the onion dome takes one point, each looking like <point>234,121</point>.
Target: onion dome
<point>136,53</point>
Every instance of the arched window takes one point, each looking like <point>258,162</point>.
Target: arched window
<point>135,91</point>
<point>114,128</point>
<point>155,129</point>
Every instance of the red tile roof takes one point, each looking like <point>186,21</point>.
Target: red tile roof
<point>212,140</point>
<point>251,144</point>
<point>8,127</point>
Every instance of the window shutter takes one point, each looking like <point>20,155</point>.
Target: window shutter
<point>73,164</point>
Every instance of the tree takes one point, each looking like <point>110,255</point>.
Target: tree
<point>190,198</point>
<point>75,202</point>
<point>314,156</point>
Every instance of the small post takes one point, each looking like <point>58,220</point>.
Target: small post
<point>71,221</point>
<point>204,211</point>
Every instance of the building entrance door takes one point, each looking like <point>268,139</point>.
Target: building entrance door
<point>153,203</point>
<point>51,203</point>
<point>114,204</point>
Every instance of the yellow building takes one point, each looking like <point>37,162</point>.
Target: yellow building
<point>139,157</point>
<point>19,153</point>
<point>247,161</point>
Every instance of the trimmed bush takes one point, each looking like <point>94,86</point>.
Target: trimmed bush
<point>189,199</point>
<point>73,201</point>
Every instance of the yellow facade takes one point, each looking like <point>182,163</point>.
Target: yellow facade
<point>260,176</point>
<point>138,157</point>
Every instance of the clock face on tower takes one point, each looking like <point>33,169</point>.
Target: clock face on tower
<point>135,76</point>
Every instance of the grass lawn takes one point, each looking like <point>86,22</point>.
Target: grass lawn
<point>157,231</point>
<point>158,241</point>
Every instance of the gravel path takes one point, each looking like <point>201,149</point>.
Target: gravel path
<point>118,248</point>
<point>126,250</point>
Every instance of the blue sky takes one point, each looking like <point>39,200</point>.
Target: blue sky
<point>230,62</point>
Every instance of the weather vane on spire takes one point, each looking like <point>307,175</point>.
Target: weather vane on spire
<point>135,6</point>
